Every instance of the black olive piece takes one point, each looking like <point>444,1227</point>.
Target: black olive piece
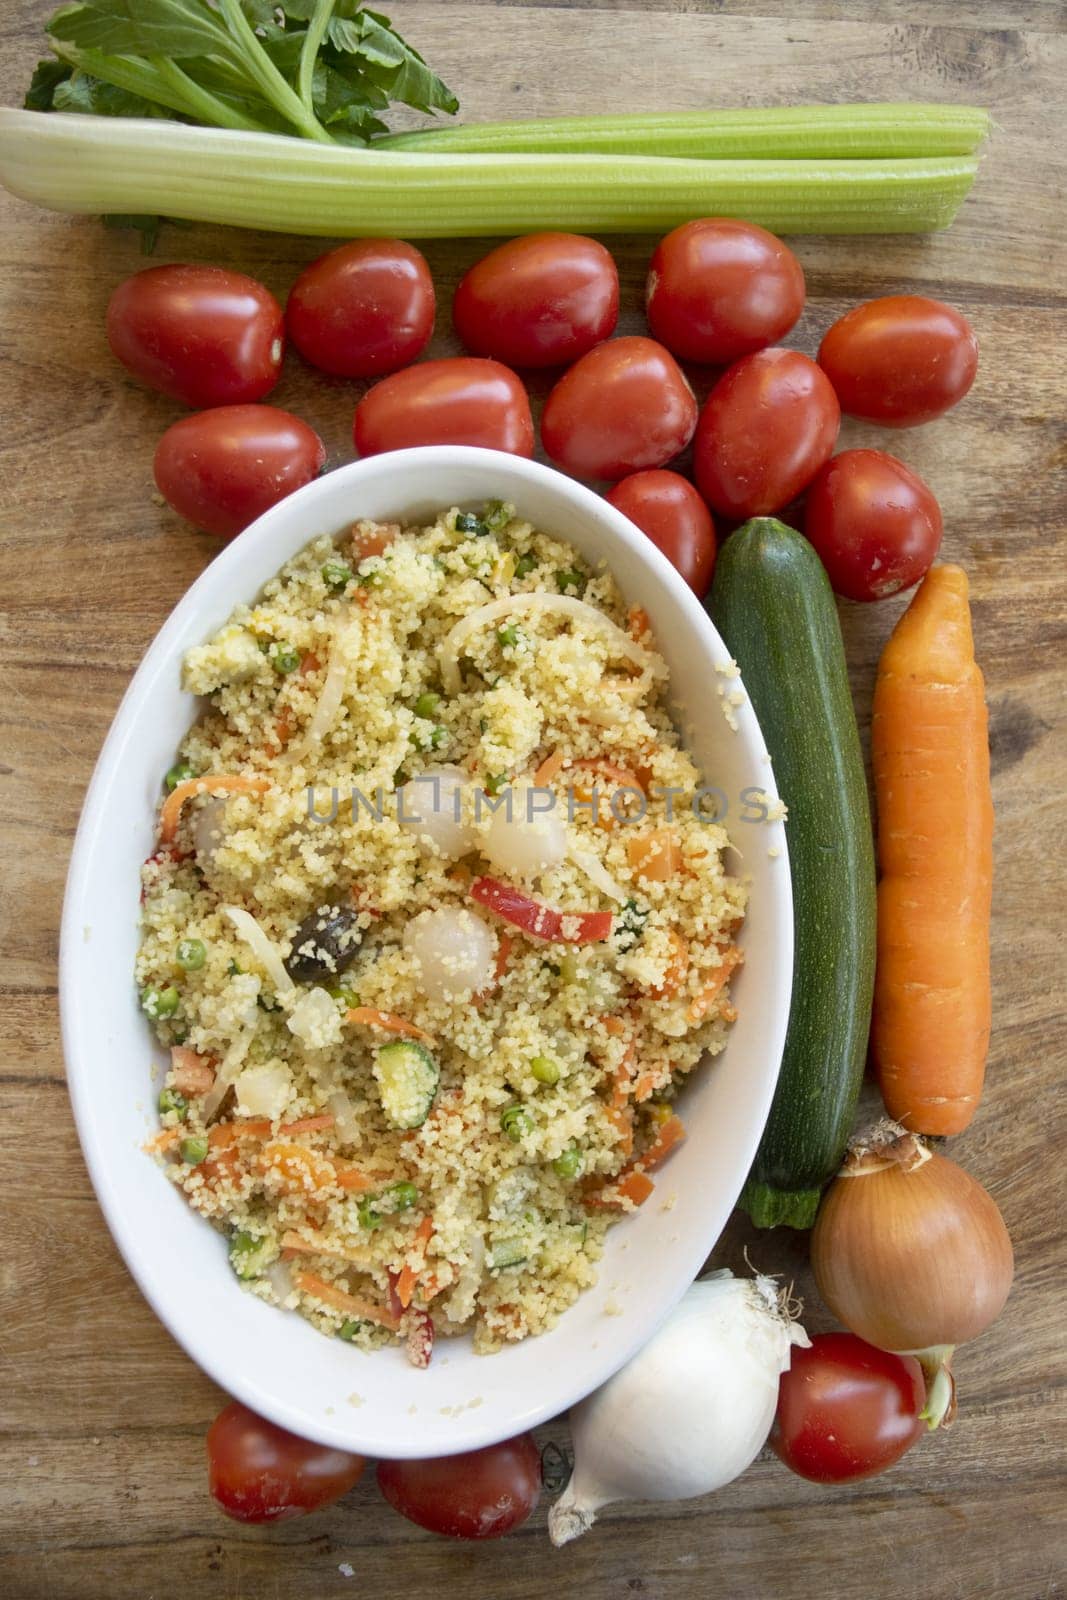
<point>325,944</point>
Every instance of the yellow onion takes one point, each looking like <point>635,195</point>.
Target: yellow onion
<point>911,1253</point>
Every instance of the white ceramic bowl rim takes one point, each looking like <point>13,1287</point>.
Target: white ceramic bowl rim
<point>189,1284</point>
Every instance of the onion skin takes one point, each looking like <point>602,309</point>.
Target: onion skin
<point>911,1252</point>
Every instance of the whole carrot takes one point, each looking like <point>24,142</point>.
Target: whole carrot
<point>930,754</point>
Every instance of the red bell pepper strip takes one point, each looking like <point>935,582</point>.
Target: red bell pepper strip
<point>539,921</point>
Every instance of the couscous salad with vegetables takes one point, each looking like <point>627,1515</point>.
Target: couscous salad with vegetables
<point>436,928</point>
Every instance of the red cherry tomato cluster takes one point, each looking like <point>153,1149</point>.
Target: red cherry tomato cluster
<point>719,291</point>
<point>258,1472</point>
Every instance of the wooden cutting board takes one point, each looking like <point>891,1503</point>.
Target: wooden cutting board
<point>103,1416</point>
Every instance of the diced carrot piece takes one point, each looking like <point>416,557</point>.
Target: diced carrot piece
<point>165,1139</point>
<point>295,1169</point>
<point>372,539</point>
<point>190,1073</point>
<point>635,1186</point>
<point>309,663</point>
<point>677,966</point>
<point>669,1136</point>
<point>654,855</point>
<point>352,1305</point>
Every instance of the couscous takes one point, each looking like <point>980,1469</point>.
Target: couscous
<point>436,928</point>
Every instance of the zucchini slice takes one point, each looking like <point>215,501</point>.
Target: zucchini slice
<point>407,1076</point>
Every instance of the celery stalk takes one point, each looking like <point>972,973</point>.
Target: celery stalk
<point>854,132</point>
<point>261,180</point>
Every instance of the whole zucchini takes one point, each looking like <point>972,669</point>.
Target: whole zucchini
<point>772,603</point>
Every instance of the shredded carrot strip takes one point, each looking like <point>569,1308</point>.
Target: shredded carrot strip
<point>550,768</point>
<point>352,1305</point>
<point>638,622</point>
<point>309,1124</point>
<point>408,1275</point>
<point>296,1244</point>
<point>284,727</point>
<point>621,777</point>
<point>165,1139</point>
<point>731,957</point>
<point>353,1181</point>
<point>212,783</point>
<point>651,1079</point>
<point>613,1025</point>
<point>670,1135</point>
<point>388,1023</point>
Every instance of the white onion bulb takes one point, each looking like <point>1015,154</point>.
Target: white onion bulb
<point>454,953</point>
<point>522,845</point>
<point>431,805</point>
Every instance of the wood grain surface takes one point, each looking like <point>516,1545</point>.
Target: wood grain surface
<point>102,1417</point>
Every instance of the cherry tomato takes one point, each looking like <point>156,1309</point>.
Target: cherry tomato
<point>718,289</point>
<point>258,1472</point>
<point>203,335</point>
<point>539,301</point>
<point>874,522</point>
<point>364,309</point>
<point>901,360</point>
<point>460,400</point>
<point>847,1410</point>
<point>767,427</point>
<point>479,1494</point>
<point>223,468</point>
<point>667,507</point>
<point>623,406</point>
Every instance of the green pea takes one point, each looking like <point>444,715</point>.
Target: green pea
<point>368,1217</point>
<point>405,1195</point>
<point>337,575</point>
<point>173,1100</point>
<point>283,657</point>
<point>191,954</point>
<point>181,772</point>
<point>346,998</point>
<point>516,1122</point>
<point>508,636</point>
<point>348,1329</point>
<point>545,1070</point>
<point>525,565</point>
<point>467,522</point>
<point>568,579</point>
<point>568,1164</point>
<point>194,1149</point>
<point>160,1003</point>
<point>426,704</point>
